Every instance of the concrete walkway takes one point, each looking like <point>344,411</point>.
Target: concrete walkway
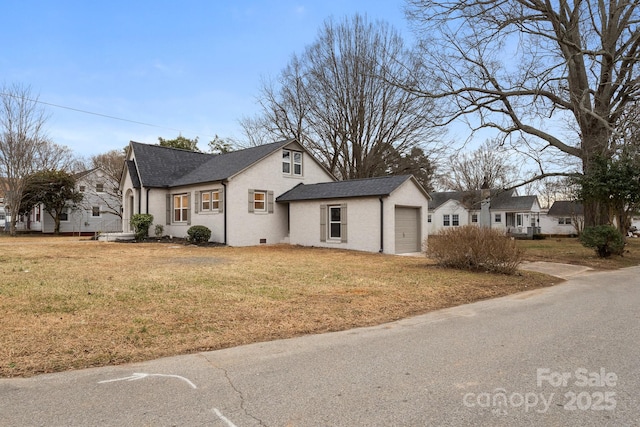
<point>563,271</point>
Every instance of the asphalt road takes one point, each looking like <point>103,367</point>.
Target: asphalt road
<point>561,356</point>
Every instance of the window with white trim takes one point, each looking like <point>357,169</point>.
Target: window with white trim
<point>429,218</point>
<point>474,218</point>
<point>210,200</point>
<point>497,218</point>
<point>99,187</point>
<point>180,208</point>
<point>259,201</point>
<point>564,221</point>
<point>446,221</point>
<point>292,162</point>
<point>455,220</point>
<point>335,222</point>
<point>95,211</point>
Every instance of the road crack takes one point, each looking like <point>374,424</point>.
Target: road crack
<point>237,391</point>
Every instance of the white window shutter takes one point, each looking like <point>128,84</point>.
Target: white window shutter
<point>221,200</point>
<point>196,206</point>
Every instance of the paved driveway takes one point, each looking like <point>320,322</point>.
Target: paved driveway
<point>566,355</point>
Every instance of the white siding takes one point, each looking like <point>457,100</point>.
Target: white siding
<point>450,207</point>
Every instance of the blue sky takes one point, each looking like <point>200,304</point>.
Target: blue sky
<point>192,67</point>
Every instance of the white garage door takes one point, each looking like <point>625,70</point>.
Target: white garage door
<point>407,230</point>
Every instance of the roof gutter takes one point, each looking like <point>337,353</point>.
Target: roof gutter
<point>381,225</point>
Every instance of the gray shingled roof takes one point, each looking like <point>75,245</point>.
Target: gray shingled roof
<point>469,199</point>
<point>369,187</point>
<point>133,173</point>
<point>500,199</point>
<point>503,202</point>
<point>170,167</point>
<point>565,208</point>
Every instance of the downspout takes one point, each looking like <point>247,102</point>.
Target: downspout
<point>224,216</point>
<point>381,226</point>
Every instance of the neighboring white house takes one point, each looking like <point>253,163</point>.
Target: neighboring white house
<point>564,218</point>
<point>236,196</point>
<point>504,210</point>
<point>99,211</point>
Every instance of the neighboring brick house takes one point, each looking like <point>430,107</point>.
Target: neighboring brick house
<point>243,197</point>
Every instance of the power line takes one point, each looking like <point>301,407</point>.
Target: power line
<point>102,115</point>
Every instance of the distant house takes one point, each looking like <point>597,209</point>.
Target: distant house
<point>501,209</point>
<point>272,193</point>
<point>98,212</point>
<point>564,218</point>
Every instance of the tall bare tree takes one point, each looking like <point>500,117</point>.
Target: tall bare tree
<point>24,147</point>
<point>552,77</point>
<point>336,99</point>
<point>489,164</point>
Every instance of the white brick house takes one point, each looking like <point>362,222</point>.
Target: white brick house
<point>239,197</point>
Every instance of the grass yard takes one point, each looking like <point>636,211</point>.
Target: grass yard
<point>69,304</point>
<point>570,251</point>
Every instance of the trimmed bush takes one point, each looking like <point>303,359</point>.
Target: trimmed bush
<point>475,248</point>
<point>141,224</point>
<point>159,230</point>
<point>605,239</point>
<point>199,234</point>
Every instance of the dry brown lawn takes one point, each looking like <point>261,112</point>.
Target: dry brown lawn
<point>68,303</point>
<point>570,251</point>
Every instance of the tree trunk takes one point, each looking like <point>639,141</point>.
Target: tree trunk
<point>595,144</point>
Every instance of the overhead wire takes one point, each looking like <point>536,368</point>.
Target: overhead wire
<point>38,101</point>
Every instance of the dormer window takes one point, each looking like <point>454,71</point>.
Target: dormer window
<point>292,162</point>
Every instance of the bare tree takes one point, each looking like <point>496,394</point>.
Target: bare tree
<point>553,77</point>
<point>110,166</point>
<point>24,147</point>
<point>336,100</point>
<point>488,165</point>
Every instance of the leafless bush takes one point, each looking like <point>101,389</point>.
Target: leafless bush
<point>475,248</point>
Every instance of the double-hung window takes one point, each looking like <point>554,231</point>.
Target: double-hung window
<point>333,223</point>
<point>455,220</point>
<point>261,201</point>
<point>180,208</point>
<point>95,211</point>
<point>99,187</point>
<point>292,162</point>
<point>210,200</point>
<point>446,221</point>
<point>497,218</point>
